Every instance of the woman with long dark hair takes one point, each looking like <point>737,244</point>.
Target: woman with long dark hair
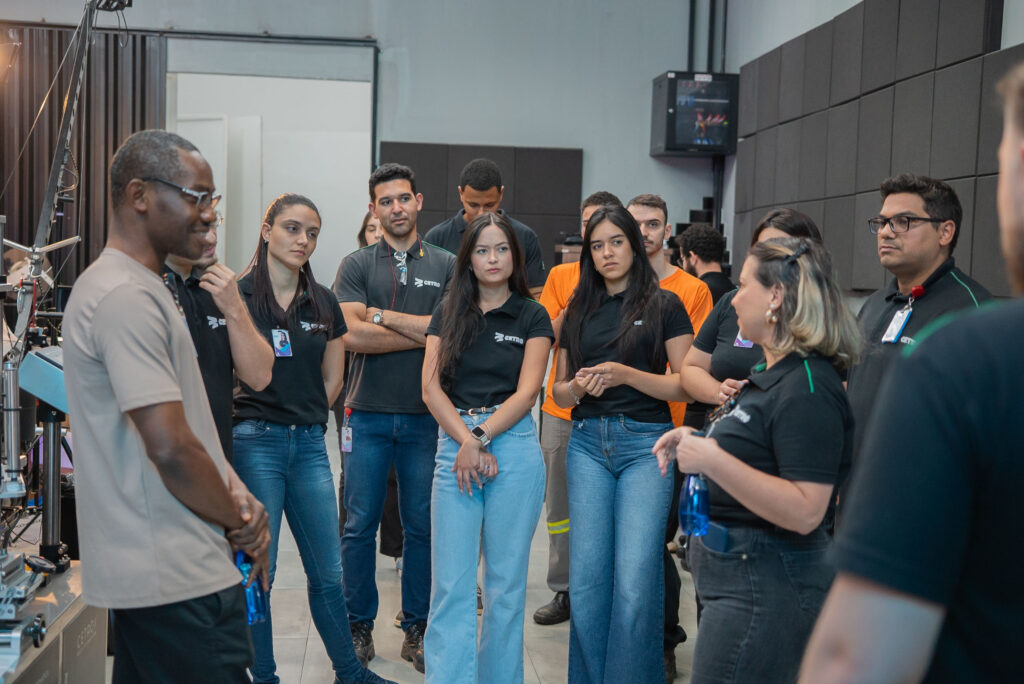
<point>279,431</point>
<point>487,350</point>
<point>773,456</point>
<point>620,331</point>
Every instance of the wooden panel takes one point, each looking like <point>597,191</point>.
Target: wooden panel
<point>912,125</point>
<point>987,265</point>
<point>847,37</point>
<point>918,32</point>
<point>874,139</point>
<point>837,232</point>
<point>878,64</point>
<point>955,121</point>
<point>841,160</point>
<point>818,69</point>
<point>813,155</point>
<point>791,79</point>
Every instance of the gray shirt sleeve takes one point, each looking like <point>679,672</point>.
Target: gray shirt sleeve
<point>350,283</point>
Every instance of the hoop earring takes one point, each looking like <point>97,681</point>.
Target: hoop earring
<point>771,316</point>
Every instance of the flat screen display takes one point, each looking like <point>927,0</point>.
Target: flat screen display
<point>703,114</point>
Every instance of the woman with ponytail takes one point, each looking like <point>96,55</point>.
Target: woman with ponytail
<point>773,456</point>
<point>278,434</point>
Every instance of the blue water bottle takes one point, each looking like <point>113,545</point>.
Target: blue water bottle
<point>255,597</point>
<point>693,504</point>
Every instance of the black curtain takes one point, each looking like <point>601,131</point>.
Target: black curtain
<point>124,91</point>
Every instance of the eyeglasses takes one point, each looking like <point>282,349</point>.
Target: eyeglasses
<point>204,200</point>
<point>898,224</point>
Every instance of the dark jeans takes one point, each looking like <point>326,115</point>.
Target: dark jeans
<point>391,539</point>
<point>761,598</point>
<point>379,440</point>
<point>205,639</point>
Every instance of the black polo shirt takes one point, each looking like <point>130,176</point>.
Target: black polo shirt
<point>489,366</point>
<point>210,335</point>
<point>596,340</point>
<point>720,337</point>
<point>934,503</point>
<point>390,383</point>
<point>296,393</point>
<point>448,235</point>
<point>792,421</point>
<point>947,289</point>
<point>718,283</point>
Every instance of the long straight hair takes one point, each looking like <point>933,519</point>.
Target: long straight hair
<point>264,304</point>
<point>640,300</point>
<point>461,316</point>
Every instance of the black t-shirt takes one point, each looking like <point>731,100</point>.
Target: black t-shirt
<point>718,283</point>
<point>488,370</point>
<point>947,289</point>
<point>731,356</point>
<point>210,335</point>
<point>390,383</point>
<point>448,235</point>
<point>792,421</point>
<point>598,331</point>
<point>296,393</point>
<point>934,504</point>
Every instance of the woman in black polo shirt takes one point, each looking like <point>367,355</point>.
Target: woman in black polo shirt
<point>487,350</point>
<point>280,452</point>
<point>773,456</point>
<point>620,331</point>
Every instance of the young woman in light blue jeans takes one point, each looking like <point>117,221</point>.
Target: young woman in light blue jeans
<point>619,332</point>
<point>486,353</point>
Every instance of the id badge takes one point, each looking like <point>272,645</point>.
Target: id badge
<point>346,439</point>
<point>282,343</point>
<point>896,326</point>
<point>742,343</point>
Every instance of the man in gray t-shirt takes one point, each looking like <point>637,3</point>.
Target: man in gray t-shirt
<point>159,508</point>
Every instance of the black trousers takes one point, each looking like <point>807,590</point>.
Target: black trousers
<point>205,639</point>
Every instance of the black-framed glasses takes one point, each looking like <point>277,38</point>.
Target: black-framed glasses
<point>204,199</point>
<point>898,224</point>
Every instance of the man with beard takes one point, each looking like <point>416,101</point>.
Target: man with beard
<point>701,250</point>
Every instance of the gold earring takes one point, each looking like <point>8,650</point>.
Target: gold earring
<point>771,316</point>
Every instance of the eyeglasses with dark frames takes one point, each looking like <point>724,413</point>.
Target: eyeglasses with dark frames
<point>204,199</point>
<point>898,224</point>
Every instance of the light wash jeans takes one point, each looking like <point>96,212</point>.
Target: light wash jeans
<point>286,468</point>
<point>617,504</point>
<point>500,520</point>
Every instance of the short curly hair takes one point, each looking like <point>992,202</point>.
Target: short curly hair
<point>940,200</point>
<point>704,241</point>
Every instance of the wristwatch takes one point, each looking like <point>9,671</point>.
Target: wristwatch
<point>378,318</point>
<point>480,433</point>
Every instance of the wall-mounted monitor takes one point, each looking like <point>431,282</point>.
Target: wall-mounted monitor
<point>694,114</point>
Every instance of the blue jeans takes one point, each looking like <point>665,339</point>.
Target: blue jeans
<point>409,440</point>
<point>286,468</point>
<point>761,598</point>
<point>617,504</point>
<point>501,516</point>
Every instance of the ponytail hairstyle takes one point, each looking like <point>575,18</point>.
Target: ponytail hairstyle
<point>813,318</point>
<point>461,316</point>
<point>264,304</point>
<point>640,300</point>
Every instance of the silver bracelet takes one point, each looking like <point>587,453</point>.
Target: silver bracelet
<point>574,396</point>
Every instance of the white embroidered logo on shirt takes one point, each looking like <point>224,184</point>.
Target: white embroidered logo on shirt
<point>739,414</point>
<point>312,327</point>
<point>419,282</point>
<point>502,337</point>
<point>640,322</point>
<point>215,322</point>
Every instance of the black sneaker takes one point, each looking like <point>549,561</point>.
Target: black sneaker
<point>555,612</point>
<point>366,677</point>
<point>362,641</point>
<point>412,646</point>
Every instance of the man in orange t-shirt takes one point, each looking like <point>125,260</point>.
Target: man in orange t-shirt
<point>555,428</point>
<point>651,214</point>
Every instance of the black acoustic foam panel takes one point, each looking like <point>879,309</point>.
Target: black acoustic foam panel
<point>548,180</point>
<point>912,125</point>
<point>745,150</point>
<point>430,164</point>
<point>868,273</point>
<point>791,79</point>
<point>878,64</point>
<point>764,167</point>
<point>460,155</point>
<point>841,158</point>
<point>990,131</point>
<point>987,265</point>
<point>847,42</point>
<point>968,28</point>
<point>747,113</point>
<point>918,32</point>
<point>817,68</point>
<point>837,231</point>
<point>964,189</point>
<point>768,89</point>
<point>955,120</point>
<point>813,155</point>
<point>787,163</point>
<point>874,139</point>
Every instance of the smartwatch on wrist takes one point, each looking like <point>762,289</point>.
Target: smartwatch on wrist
<point>480,433</point>
<point>378,318</point>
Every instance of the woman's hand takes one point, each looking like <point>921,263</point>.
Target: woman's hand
<point>690,451</point>
<point>665,447</point>
<point>468,464</point>
<point>488,464</point>
<point>729,389</point>
<point>611,373</point>
<point>587,383</point>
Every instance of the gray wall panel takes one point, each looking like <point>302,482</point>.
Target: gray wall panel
<point>815,210</point>
<point>986,264</point>
<point>791,79</point>
<point>741,240</point>
<point>955,120</point>
<point>764,168</point>
<point>747,114</point>
<point>874,137</point>
<point>967,28</point>
<point>548,180</point>
<point>964,189</point>
<point>867,273</point>
<point>745,149</point>
<point>768,89</point>
<point>878,65</point>
<point>813,159</point>
<point>841,159</point>
<point>430,164</point>
<point>912,125</point>
<point>990,131</point>
<point>837,232</point>
<point>918,32</point>
<point>787,163</point>
<point>817,68</point>
<point>847,35</point>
